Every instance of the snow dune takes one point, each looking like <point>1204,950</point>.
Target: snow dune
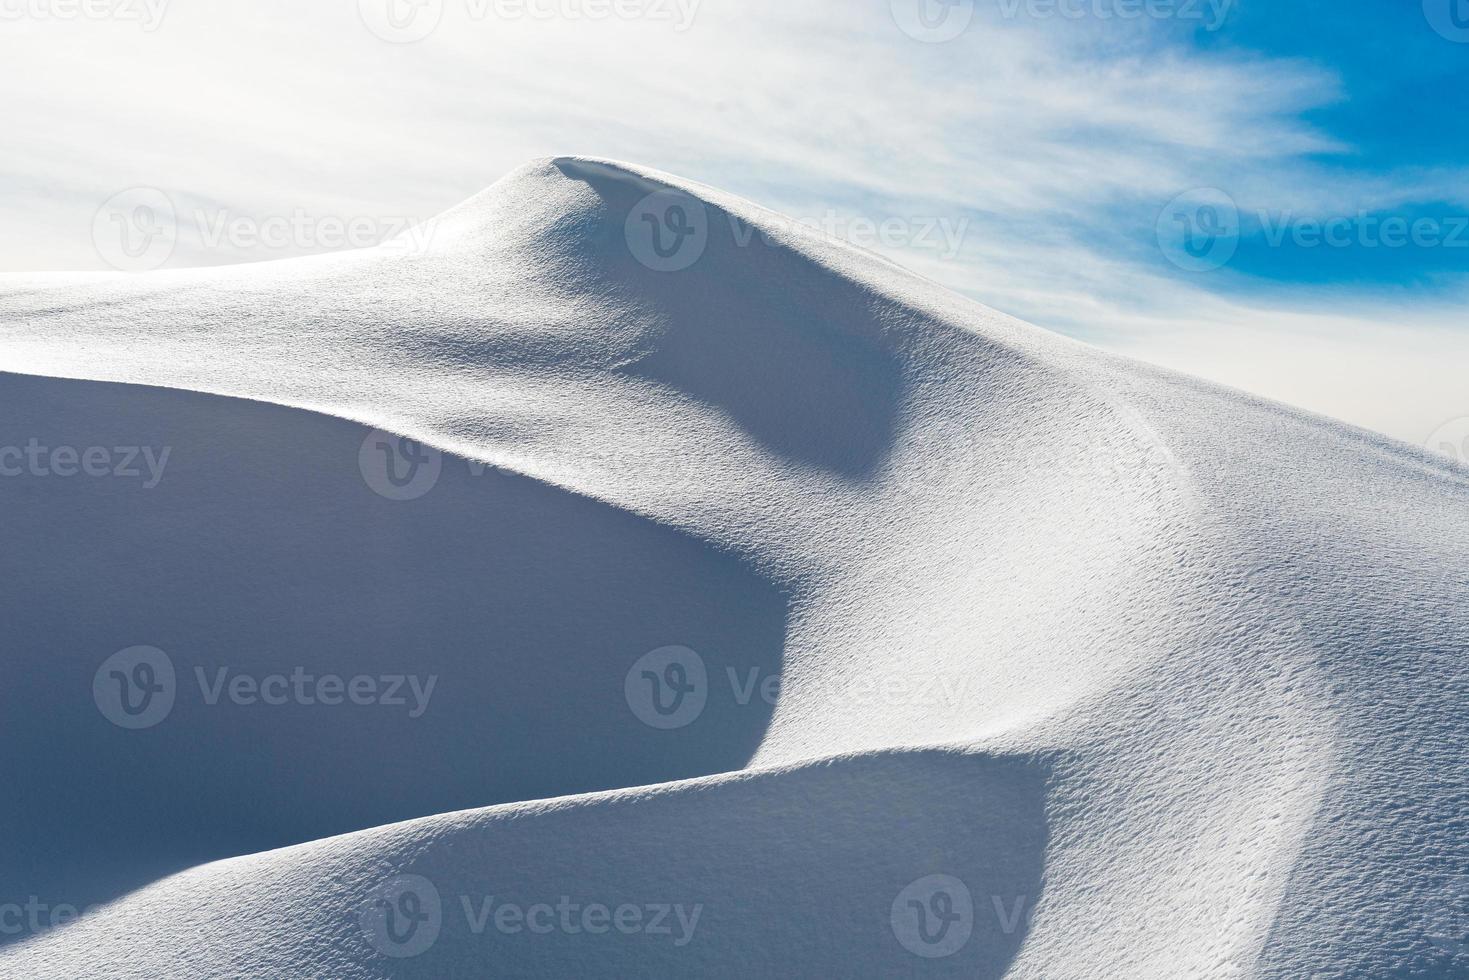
<point>786,614</point>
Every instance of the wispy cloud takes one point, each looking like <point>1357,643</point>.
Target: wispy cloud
<point>1053,142</point>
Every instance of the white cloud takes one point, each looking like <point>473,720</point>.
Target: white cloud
<point>1054,141</point>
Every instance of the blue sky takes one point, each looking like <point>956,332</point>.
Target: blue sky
<point>1403,106</point>
<point>1210,185</point>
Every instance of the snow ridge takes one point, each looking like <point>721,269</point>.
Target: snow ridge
<point>1010,657</point>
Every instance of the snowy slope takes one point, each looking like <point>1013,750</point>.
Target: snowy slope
<point>1003,656</point>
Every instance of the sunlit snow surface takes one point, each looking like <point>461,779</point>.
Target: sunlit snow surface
<point>724,602</point>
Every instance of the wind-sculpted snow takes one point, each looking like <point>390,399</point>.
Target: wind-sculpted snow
<point>261,548</point>
<point>630,583</point>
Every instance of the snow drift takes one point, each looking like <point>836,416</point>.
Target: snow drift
<point>750,606</point>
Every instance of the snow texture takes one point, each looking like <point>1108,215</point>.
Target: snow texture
<point>1159,679</point>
